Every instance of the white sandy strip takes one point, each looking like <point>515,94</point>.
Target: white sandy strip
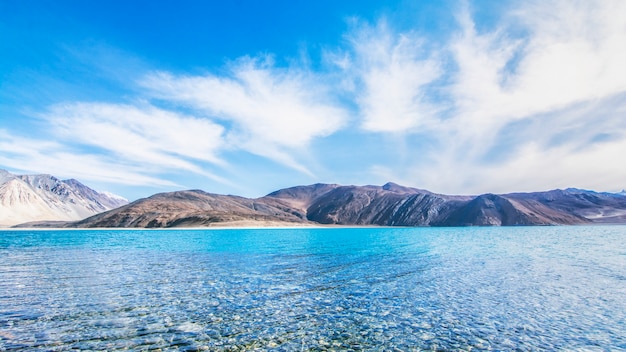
<point>235,225</point>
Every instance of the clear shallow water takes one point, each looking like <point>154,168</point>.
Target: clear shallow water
<point>531,288</point>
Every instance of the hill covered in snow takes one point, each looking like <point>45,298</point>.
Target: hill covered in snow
<point>27,198</point>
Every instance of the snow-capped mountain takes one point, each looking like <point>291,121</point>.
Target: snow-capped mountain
<point>25,198</point>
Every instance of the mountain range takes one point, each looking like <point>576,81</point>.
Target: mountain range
<point>387,205</point>
<point>28,198</point>
<point>45,201</point>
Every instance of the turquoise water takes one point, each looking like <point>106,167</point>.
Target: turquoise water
<point>528,289</point>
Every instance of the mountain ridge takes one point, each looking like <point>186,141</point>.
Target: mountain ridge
<point>28,198</point>
<point>387,205</point>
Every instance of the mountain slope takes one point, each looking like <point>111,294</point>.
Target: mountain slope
<point>26,198</point>
<point>387,205</point>
<point>193,208</point>
<point>352,205</point>
<point>502,210</point>
<point>587,205</point>
<point>300,197</point>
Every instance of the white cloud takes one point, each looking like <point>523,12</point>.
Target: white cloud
<point>118,143</point>
<point>595,167</point>
<point>391,73</point>
<point>567,70</point>
<point>273,112</point>
<point>544,87</point>
<point>534,100</point>
<point>29,155</point>
<point>139,133</point>
<point>158,140</point>
<point>573,52</point>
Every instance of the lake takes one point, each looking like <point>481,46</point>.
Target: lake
<point>520,288</point>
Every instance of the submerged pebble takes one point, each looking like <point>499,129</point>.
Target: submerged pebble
<point>388,289</point>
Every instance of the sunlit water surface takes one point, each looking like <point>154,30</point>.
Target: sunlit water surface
<point>528,289</point>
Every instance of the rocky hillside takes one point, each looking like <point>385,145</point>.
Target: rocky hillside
<point>394,205</point>
<point>193,208</point>
<point>25,198</point>
<point>388,205</point>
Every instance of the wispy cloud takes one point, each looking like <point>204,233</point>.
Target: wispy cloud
<point>391,73</point>
<point>537,101</point>
<point>534,99</point>
<point>568,52</point>
<point>125,144</point>
<point>272,112</point>
<point>142,134</point>
<point>35,156</point>
<point>255,108</point>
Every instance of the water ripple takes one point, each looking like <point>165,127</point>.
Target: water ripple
<point>342,289</point>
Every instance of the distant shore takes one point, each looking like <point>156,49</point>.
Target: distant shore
<point>234,225</point>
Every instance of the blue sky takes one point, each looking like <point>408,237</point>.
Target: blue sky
<point>246,97</point>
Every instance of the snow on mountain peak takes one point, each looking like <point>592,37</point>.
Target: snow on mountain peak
<point>5,176</point>
<point>113,196</point>
<point>26,198</point>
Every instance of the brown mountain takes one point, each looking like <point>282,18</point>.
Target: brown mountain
<point>507,210</point>
<point>388,205</point>
<point>193,208</point>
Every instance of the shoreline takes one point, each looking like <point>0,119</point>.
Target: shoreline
<point>226,227</point>
<point>281,227</point>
